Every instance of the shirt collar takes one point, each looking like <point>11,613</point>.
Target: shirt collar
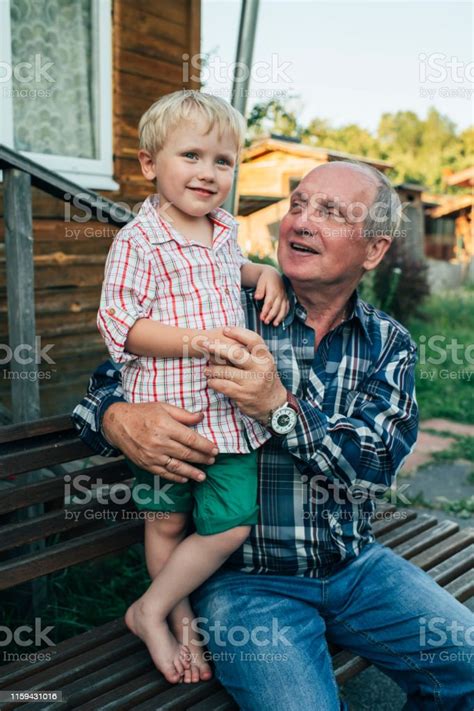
<point>290,316</point>
<point>356,310</point>
<point>360,314</point>
<point>158,230</point>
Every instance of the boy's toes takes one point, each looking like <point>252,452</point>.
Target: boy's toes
<point>195,676</point>
<point>172,675</point>
<point>205,672</point>
<point>184,656</point>
<point>187,676</point>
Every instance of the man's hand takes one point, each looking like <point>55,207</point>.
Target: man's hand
<point>150,433</point>
<point>247,374</point>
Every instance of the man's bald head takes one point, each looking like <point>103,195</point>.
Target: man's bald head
<point>376,192</point>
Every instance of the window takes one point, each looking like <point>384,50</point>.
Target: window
<point>56,86</point>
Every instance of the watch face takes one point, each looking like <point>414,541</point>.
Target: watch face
<point>284,420</point>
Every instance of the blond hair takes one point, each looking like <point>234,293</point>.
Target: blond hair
<point>166,113</point>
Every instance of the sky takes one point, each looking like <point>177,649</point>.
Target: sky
<point>350,61</point>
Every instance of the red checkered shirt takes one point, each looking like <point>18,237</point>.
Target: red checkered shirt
<point>153,271</point>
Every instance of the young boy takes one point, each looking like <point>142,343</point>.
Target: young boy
<point>172,281</point>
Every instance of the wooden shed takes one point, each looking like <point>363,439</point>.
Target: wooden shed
<point>92,68</point>
<point>450,224</point>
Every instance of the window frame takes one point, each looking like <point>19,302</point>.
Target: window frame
<point>88,172</point>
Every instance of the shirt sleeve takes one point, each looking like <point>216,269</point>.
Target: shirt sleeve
<point>240,255</point>
<point>127,293</point>
<point>105,388</point>
<point>366,446</point>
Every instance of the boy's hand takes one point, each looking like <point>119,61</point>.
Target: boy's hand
<point>219,335</point>
<point>270,287</point>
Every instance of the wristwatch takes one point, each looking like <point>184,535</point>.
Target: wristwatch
<point>284,419</point>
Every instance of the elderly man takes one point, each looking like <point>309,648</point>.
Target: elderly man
<point>334,383</point>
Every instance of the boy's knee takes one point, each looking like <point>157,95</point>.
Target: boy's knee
<point>172,525</point>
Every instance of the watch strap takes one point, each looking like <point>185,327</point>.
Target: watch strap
<point>292,401</point>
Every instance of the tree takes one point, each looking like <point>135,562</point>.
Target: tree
<point>421,150</point>
<point>348,139</point>
<point>272,117</point>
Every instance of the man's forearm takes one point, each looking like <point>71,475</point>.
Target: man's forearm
<point>105,388</point>
<point>367,444</point>
<point>348,450</point>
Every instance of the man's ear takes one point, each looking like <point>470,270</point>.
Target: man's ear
<point>147,163</point>
<point>376,250</point>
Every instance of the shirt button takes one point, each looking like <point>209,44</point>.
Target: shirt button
<point>305,341</point>
<point>227,291</point>
<point>111,311</point>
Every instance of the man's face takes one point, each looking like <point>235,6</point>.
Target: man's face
<point>321,237</point>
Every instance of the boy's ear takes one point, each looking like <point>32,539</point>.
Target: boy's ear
<point>147,163</point>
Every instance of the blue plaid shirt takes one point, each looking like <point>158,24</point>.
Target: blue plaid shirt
<point>358,423</point>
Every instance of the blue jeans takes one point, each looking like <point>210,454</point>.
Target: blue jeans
<point>267,634</point>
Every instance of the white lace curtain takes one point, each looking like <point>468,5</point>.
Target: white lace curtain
<point>53,109</point>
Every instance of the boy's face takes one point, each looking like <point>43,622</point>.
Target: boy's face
<point>193,170</point>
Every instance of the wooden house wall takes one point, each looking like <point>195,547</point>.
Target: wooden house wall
<point>270,174</point>
<point>149,39</point>
<point>258,232</point>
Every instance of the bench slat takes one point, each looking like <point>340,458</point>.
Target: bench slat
<point>222,701</point>
<point>427,539</point>
<point>437,554</point>
<point>126,696</point>
<point>180,697</point>
<point>346,665</point>
<point>410,529</point>
<point>444,572</point>
<point>35,428</point>
<point>53,488</point>
<point>40,528</point>
<point>102,679</point>
<point>56,451</point>
<point>84,642</point>
<point>385,525</point>
<point>63,672</point>
<point>89,546</point>
<point>463,587</point>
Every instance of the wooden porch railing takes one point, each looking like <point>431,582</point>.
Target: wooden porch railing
<point>21,174</point>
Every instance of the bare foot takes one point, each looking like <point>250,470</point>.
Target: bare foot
<point>199,669</point>
<point>170,657</point>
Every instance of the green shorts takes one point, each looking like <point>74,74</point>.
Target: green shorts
<point>225,499</point>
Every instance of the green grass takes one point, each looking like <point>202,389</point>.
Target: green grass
<point>462,448</point>
<point>444,334</point>
<point>85,596</point>
<point>464,508</point>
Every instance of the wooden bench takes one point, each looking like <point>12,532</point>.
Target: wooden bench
<point>108,668</point>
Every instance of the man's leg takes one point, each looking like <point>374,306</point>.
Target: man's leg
<point>267,641</point>
<point>391,612</point>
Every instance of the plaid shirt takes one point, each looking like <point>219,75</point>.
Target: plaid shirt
<point>154,272</point>
<point>357,425</point>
